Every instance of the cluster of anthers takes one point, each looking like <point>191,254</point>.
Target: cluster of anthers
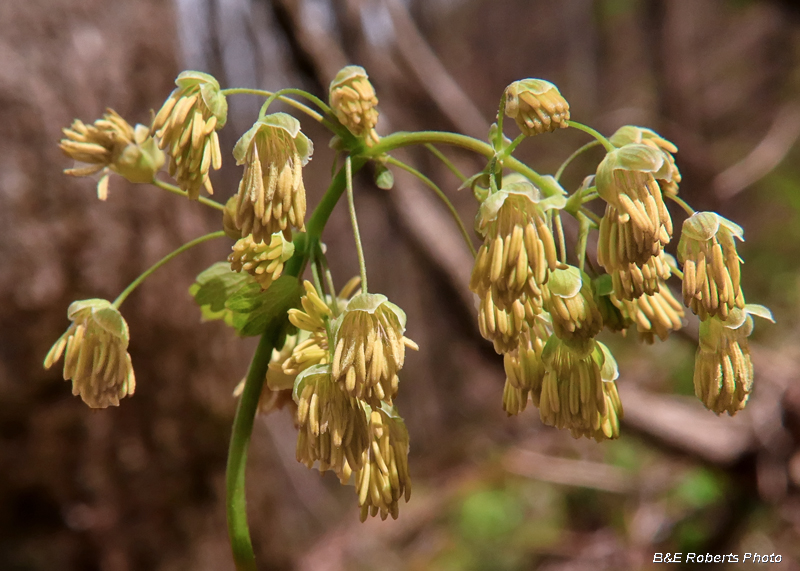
<point>339,371</point>
<point>544,315</point>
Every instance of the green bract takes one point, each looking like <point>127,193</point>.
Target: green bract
<point>305,148</point>
<point>209,91</point>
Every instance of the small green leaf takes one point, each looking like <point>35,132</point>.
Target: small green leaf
<point>259,308</point>
<point>216,284</point>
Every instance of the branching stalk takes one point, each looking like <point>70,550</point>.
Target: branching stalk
<point>351,206</point>
<point>146,274</point>
<point>442,196</point>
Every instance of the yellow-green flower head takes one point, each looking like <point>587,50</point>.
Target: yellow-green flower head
<point>276,391</point>
<point>111,145</point>
<point>370,348</point>
<point>503,326</point>
<point>654,314</point>
<point>570,302</point>
<point>626,180</point>
<point>272,197</point>
<point>97,359</point>
<point>537,106</point>
<point>633,134</point>
<point>313,348</point>
<point>578,389</point>
<point>632,281</point>
<point>384,478</point>
<point>518,251</point>
<point>723,370</point>
<point>524,367</point>
<point>711,272</point>
<point>332,426</point>
<point>264,261</point>
<point>354,102</point>
<point>187,126</point>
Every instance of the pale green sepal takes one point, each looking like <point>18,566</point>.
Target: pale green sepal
<point>346,74</point>
<point>555,202</point>
<point>701,226</point>
<point>759,310</point>
<point>401,315</point>
<point>103,314</point>
<point>736,318</point>
<point>637,157</point>
<point>189,78</point>
<point>368,302</point>
<point>491,206</point>
<point>300,380</point>
<point>565,283</point>
<point>282,121</point>
<point>731,227</point>
<point>609,371</point>
<point>241,146</point>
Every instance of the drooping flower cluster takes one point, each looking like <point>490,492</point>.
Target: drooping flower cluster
<point>537,106</point>
<point>354,102</point>
<point>97,359</point>
<point>346,361</point>
<point>272,197</point>
<point>514,262</point>
<point>723,373</point>
<point>187,125</point>
<point>110,145</point>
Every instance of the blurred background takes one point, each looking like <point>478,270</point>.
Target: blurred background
<point>141,487</point>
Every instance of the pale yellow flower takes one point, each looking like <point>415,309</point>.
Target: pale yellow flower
<point>537,106</point>
<point>97,359</point>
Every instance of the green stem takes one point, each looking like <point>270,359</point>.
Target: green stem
<point>241,544</point>
<point>296,104</point>
<point>351,206</point>
<point>501,115</point>
<point>583,235</point>
<point>512,147</point>
<point>146,274</point>
<point>405,139</point>
<point>590,215</point>
<point>442,196</point>
<point>586,129</point>
<point>450,166</point>
<point>680,202</point>
<point>175,190</point>
<point>572,157</point>
<point>236,508</point>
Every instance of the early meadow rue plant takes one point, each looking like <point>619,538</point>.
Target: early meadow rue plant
<point>335,359</point>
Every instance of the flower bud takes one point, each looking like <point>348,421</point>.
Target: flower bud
<point>272,197</point>
<point>711,273</point>
<point>384,478</point>
<point>354,102</point>
<point>97,359</point>
<point>537,106</point>
<point>187,126</point>
<point>263,261</point>
<point>276,392</point>
<point>112,145</point>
